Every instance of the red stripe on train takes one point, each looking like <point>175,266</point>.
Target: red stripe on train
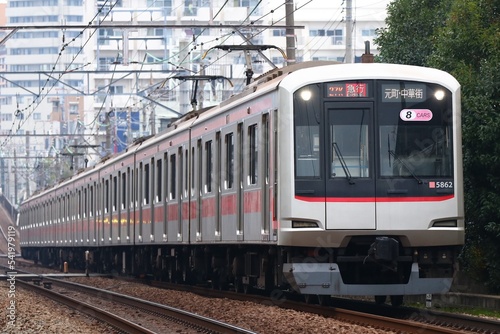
<point>374,199</point>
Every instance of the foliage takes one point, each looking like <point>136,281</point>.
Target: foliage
<point>409,32</point>
<point>465,43</point>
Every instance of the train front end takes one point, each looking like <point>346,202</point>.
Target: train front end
<point>370,180</point>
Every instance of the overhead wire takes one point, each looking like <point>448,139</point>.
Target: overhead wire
<point>19,113</point>
<point>226,36</point>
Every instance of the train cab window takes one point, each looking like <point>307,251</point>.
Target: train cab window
<point>415,130</point>
<point>307,151</point>
<point>349,143</point>
<point>229,161</point>
<point>307,119</point>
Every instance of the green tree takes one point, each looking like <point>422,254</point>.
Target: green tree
<point>462,38</point>
<point>408,37</point>
<point>469,48</point>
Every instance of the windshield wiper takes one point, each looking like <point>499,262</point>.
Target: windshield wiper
<point>342,163</point>
<point>408,168</point>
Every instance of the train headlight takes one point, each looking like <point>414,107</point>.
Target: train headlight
<point>304,224</point>
<point>439,94</point>
<point>305,95</point>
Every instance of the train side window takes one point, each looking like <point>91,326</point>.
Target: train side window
<point>253,154</point>
<point>137,184</point>
<point>79,206</point>
<point>209,166</point>
<point>229,161</point>
<point>106,196</point>
<point>115,193</point>
<point>173,170</point>
<point>193,183</point>
<point>131,186</point>
<point>184,177</point>
<point>85,203</point>
<point>91,204</point>
<point>123,201</point>
<point>146,184</point>
<point>165,176</point>
<point>159,174</point>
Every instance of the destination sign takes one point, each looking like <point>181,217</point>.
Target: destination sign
<point>410,92</point>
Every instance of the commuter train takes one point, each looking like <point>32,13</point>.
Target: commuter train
<point>319,178</point>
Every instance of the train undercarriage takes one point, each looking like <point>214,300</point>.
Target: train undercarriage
<point>368,266</point>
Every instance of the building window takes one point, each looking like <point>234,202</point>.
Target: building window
<point>5,117</point>
<point>337,36</point>
<point>368,32</point>
<point>190,8</point>
<point>279,32</point>
<point>73,108</point>
<point>74,18</point>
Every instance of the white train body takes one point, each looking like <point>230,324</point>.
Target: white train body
<point>328,178</point>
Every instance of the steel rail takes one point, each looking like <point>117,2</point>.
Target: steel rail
<point>187,318</point>
<point>115,321</point>
<point>347,315</point>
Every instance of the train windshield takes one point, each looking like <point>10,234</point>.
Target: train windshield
<point>388,129</point>
<point>415,130</point>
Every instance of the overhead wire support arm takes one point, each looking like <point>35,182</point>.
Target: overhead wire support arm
<point>246,48</point>
<point>196,79</point>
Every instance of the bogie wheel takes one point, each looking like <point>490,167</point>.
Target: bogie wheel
<point>310,299</point>
<point>324,300</point>
<point>396,300</point>
<point>238,285</point>
<point>380,299</point>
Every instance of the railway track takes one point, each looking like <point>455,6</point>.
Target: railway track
<point>400,319</point>
<point>143,316</point>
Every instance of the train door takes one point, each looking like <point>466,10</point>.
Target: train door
<point>350,181</point>
<point>227,221</point>
<point>239,181</point>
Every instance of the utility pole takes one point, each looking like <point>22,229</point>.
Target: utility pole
<point>107,121</point>
<point>15,177</point>
<point>349,57</point>
<point>290,33</point>
<point>28,191</point>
